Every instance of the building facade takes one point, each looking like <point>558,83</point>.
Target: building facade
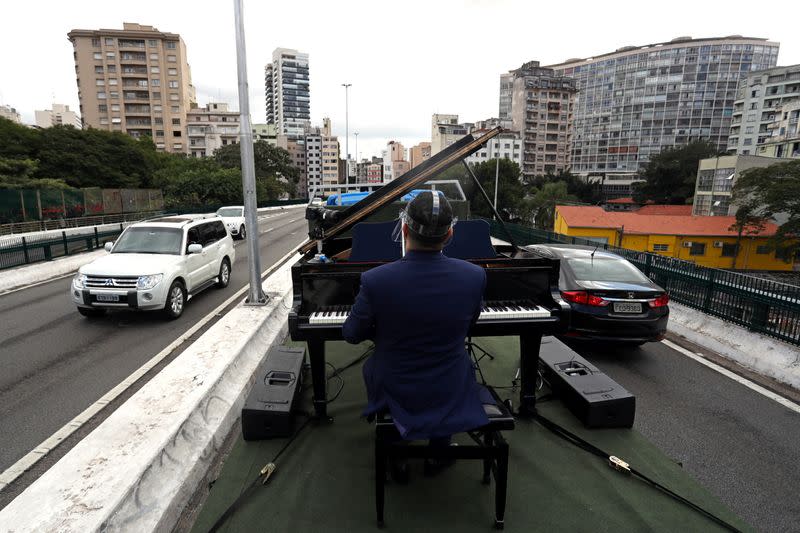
<point>394,161</point>
<point>784,139</point>
<point>287,91</point>
<point>10,113</point>
<point>210,128</point>
<point>297,158</point>
<point>716,177</point>
<point>419,153</point>
<point>541,111</point>
<point>59,115</point>
<point>506,145</point>
<point>322,160</point>
<point>759,98</point>
<point>265,132</point>
<point>375,171</point>
<point>634,102</point>
<point>445,130</point>
<point>135,80</point>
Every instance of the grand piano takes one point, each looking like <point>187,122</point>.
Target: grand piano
<point>521,296</point>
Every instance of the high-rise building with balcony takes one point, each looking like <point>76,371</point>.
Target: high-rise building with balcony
<point>634,102</point>
<point>135,80</point>
<point>541,107</point>
<point>322,160</point>
<point>211,127</point>
<point>59,115</point>
<point>286,87</point>
<point>758,99</point>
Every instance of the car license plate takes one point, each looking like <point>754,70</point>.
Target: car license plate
<point>626,307</point>
<point>107,297</point>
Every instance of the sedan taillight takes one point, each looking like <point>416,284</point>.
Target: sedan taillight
<point>660,301</point>
<point>583,298</point>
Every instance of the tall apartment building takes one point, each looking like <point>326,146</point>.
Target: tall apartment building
<point>758,99</point>
<point>59,115</point>
<point>716,177</point>
<point>445,130</point>
<point>638,100</point>
<point>506,145</point>
<point>288,96</point>
<point>375,171</point>
<point>419,153</point>
<point>135,80</point>
<point>394,161</point>
<point>322,160</point>
<point>541,110</point>
<point>211,127</point>
<point>297,157</point>
<point>784,139</point>
<point>10,113</point>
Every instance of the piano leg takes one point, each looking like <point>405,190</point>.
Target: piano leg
<point>529,365</point>
<point>316,355</point>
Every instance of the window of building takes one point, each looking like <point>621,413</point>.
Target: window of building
<point>177,146</point>
<point>155,82</point>
<point>112,68</point>
<point>113,94</point>
<point>159,133</point>
<point>113,81</point>
<point>661,247</point>
<point>173,84</point>
<point>114,107</point>
<point>95,42</point>
<point>784,254</point>
<point>98,55</point>
<point>155,70</point>
<point>172,59</point>
<point>102,108</point>
<point>98,69</point>
<point>176,121</point>
<point>111,55</point>
<point>100,82</point>
<point>152,43</point>
<point>104,121</point>
<point>175,108</point>
<point>116,120</point>
<point>157,108</point>
<point>173,96</point>
<point>176,133</point>
<point>172,71</point>
<point>697,248</point>
<point>109,41</point>
<point>153,57</point>
<point>101,95</point>
<point>171,45</point>
<point>156,95</point>
<point>159,121</point>
<point>728,250</point>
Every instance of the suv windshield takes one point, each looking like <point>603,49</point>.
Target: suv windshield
<point>149,241</point>
<point>586,269</point>
<point>230,212</point>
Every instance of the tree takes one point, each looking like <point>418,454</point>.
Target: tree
<point>544,202</point>
<point>510,190</point>
<point>670,176</point>
<point>771,192</point>
<point>584,191</point>
<point>271,163</point>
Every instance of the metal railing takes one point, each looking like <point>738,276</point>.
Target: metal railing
<point>18,251</point>
<point>761,305</point>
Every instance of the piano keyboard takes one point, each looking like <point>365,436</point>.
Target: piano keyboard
<point>491,311</point>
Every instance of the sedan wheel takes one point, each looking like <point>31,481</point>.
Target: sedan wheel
<point>176,299</point>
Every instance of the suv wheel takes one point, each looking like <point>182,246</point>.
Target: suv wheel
<point>91,313</point>
<point>176,300</point>
<point>242,232</point>
<point>224,276</point>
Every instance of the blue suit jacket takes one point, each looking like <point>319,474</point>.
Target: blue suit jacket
<point>418,311</point>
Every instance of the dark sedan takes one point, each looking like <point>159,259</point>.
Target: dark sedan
<point>610,298</point>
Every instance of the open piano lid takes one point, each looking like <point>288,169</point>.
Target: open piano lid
<point>349,217</point>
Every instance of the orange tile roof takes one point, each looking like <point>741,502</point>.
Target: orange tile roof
<point>626,200</point>
<point>634,222</point>
<point>665,210</point>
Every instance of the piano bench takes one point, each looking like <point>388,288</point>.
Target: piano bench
<point>490,447</point>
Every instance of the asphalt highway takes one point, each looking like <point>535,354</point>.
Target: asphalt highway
<point>55,363</point>
<point>737,443</point>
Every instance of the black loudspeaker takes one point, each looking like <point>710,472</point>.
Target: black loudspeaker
<point>593,397</point>
<point>267,413</point>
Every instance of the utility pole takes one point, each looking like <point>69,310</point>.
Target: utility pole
<point>346,134</point>
<point>256,294</point>
<point>356,158</point>
<point>496,178</point>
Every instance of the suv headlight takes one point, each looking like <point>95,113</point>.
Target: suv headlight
<point>148,282</point>
<point>79,281</point>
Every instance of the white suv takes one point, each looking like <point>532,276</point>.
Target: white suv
<point>233,217</point>
<point>156,265</point>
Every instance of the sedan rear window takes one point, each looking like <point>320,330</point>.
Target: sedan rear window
<point>588,269</point>
<point>230,212</point>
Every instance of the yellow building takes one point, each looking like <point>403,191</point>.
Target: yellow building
<point>706,241</point>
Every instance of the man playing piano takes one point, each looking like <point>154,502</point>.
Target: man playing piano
<point>418,311</point>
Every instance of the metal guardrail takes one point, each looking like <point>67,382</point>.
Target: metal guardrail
<point>34,248</point>
<point>78,222</point>
<point>761,305</point>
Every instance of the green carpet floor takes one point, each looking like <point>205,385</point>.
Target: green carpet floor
<point>325,481</point>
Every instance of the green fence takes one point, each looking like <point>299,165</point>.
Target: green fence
<point>16,251</point>
<point>761,305</point>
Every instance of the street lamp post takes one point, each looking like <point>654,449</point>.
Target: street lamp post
<point>356,158</point>
<point>346,134</point>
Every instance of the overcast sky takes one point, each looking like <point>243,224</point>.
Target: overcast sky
<point>405,60</point>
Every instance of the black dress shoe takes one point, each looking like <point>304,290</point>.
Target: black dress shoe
<point>400,472</point>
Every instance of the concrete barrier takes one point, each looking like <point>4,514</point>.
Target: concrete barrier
<point>138,469</point>
<point>759,353</point>
<point>26,275</point>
